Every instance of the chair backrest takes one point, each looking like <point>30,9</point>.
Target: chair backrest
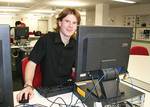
<point>37,77</point>
<point>139,50</point>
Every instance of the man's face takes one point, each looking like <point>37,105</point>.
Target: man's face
<point>68,25</point>
<point>19,25</point>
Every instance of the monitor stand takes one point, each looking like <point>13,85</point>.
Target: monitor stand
<point>105,89</point>
<point>108,86</point>
<point>110,89</point>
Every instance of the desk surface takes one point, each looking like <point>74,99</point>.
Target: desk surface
<point>138,67</point>
<point>69,97</point>
<point>129,93</point>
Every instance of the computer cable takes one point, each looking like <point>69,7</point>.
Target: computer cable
<point>128,103</point>
<point>93,89</point>
<point>71,99</point>
<point>136,105</point>
<point>58,103</point>
<point>54,102</point>
<point>90,91</point>
<point>78,103</point>
<point>94,84</point>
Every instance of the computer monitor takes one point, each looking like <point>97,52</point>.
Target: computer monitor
<point>102,51</point>
<point>6,91</point>
<point>21,33</point>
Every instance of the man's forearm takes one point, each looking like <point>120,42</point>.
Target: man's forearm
<point>29,73</point>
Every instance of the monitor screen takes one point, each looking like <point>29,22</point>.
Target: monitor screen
<point>102,47</point>
<point>6,91</point>
<point>21,32</point>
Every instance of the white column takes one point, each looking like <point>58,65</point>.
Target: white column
<point>102,14</point>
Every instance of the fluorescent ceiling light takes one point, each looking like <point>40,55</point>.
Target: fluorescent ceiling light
<point>7,14</point>
<point>10,9</point>
<point>67,3</point>
<point>43,11</point>
<point>16,1</point>
<point>125,1</point>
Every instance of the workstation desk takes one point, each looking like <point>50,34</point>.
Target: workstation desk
<point>131,94</point>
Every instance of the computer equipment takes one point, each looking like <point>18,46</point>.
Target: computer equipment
<point>6,91</point>
<point>21,33</point>
<point>103,54</point>
<point>24,100</point>
<point>55,90</point>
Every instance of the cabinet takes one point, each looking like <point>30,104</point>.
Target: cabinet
<point>141,26</point>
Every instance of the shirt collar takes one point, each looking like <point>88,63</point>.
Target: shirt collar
<point>58,40</point>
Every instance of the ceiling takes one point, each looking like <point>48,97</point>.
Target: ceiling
<point>50,6</point>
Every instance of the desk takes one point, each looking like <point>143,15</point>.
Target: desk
<point>137,64</point>
<point>30,45</point>
<point>139,68</point>
<point>131,95</point>
<point>38,99</point>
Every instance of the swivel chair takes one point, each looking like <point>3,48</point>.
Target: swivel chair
<point>139,50</point>
<point>37,77</point>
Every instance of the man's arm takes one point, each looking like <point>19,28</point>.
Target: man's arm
<point>29,72</point>
<point>29,75</point>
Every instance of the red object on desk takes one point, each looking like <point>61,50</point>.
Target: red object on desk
<point>37,77</point>
<point>139,50</point>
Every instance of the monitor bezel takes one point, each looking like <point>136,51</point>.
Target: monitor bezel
<point>18,37</point>
<point>5,64</point>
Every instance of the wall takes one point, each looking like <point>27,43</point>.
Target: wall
<point>31,20</point>
<point>7,19</point>
<point>116,17</point>
<point>90,17</point>
<point>116,14</point>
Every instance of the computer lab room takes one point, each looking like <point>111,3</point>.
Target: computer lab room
<point>74,53</point>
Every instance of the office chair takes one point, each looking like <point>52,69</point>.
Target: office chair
<point>139,50</point>
<point>37,77</point>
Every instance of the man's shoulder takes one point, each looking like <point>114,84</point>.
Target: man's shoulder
<point>52,33</point>
<point>49,35</point>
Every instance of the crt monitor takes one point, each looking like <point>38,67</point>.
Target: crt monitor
<point>21,32</point>
<point>102,51</point>
<point>6,91</point>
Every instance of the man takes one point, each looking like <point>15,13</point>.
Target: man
<point>55,52</point>
<point>18,24</point>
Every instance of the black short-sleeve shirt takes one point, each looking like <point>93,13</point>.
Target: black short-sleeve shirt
<point>56,60</point>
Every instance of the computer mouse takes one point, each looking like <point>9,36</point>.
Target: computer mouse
<point>23,100</point>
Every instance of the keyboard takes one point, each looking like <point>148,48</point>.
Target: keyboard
<point>52,91</point>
